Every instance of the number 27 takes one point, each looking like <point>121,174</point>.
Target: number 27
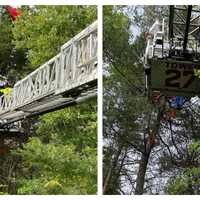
<point>174,78</point>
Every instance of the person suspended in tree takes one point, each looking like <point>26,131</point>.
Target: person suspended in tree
<point>177,102</point>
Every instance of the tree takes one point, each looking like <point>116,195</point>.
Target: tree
<point>43,29</point>
<point>12,60</point>
<point>60,157</point>
<point>125,70</point>
<point>189,180</point>
<point>142,149</point>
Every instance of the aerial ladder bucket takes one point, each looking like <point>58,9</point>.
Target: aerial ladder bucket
<point>173,54</point>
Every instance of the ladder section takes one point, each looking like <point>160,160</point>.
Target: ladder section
<point>184,31</point>
<point>71,73</point>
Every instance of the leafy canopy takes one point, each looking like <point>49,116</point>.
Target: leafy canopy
<point>62,158</point>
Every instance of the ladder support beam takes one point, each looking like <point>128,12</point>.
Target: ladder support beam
<point>187,25</point>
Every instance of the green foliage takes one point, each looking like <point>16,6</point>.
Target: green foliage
<point>3,193</point>
<point>66,163</point>
<point>80,122</point>
<point>189,181</point>
<point>115,22</point>
<point>43,29</point>
<point>124,102</point>
<point>5,43</point>
<point>11,60</point>
<point>195,146</point>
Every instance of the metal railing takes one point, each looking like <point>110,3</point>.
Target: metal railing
<point>74,66</point>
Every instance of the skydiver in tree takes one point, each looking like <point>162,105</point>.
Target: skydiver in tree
<point>177,102</point>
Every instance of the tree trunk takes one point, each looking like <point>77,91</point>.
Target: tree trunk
<point>110,172</point>
<point>107,180</point>
<point>1,140</point>
<point>141,174</point>
<point>140,180</point>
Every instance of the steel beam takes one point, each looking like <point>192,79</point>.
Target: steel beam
<point>171,20</point>
<point>187,25</point>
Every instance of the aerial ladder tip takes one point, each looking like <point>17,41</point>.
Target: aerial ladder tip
<point>173,53</point>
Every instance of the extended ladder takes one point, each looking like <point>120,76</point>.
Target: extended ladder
<point>173,53</point>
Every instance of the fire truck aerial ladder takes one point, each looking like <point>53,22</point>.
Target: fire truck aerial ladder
<point>173,53</point>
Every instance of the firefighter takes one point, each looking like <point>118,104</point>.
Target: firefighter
<point>5,88</point>
<point>153,30</point>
